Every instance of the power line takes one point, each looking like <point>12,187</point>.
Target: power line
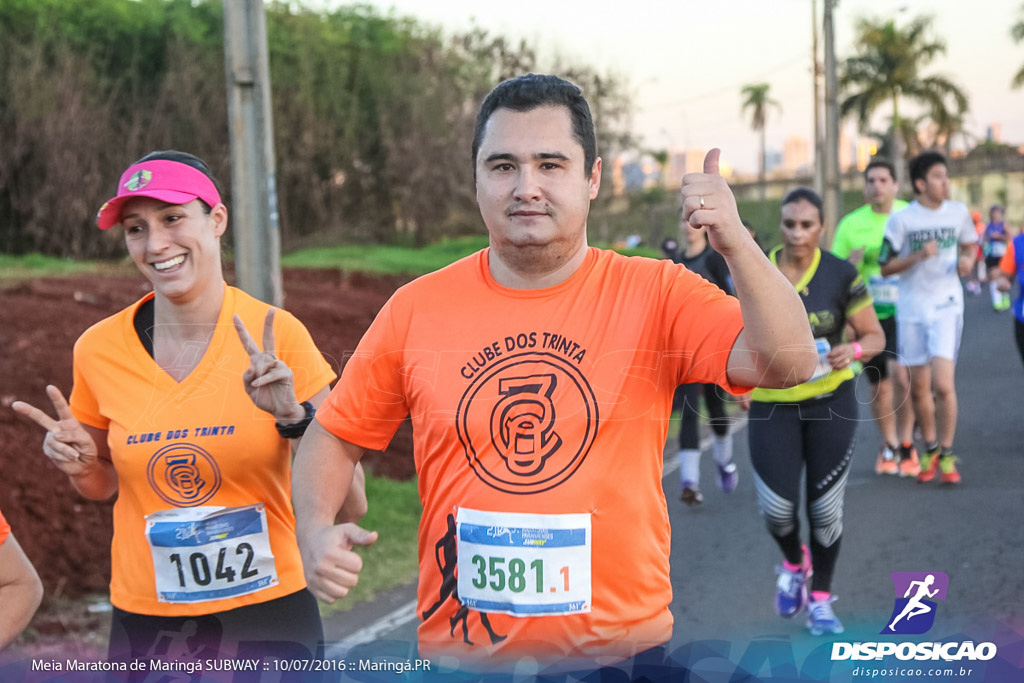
<point>727,89</point>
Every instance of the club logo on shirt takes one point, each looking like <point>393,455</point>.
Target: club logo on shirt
<point>184,475</point>
<point>527,422</point>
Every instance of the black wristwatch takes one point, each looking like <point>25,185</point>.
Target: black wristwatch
<point>297,429</point>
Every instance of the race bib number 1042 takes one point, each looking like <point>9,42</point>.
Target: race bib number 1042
<point>210,553</point>
<point>524,564</point>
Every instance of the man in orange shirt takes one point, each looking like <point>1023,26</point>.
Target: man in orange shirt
<point>539,376</point>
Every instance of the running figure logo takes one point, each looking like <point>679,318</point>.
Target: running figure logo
<point>138,180</point>
<point>914,612</point>
<point>446,557</point>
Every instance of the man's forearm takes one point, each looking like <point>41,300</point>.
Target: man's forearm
<point>898,265</point>
<point>967,254</point>
<point>776,332</point>
<point>355,505</point>
<point>321,477</point>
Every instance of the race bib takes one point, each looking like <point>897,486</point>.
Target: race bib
<point>996,248</point>
<point>824,367</point>
<point>884,290</point>
<point>524,564</point>
<point>210,553</point>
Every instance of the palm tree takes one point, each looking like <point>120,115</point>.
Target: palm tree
<point>660,157</point>
<point>949,124</point>
<point>1017,33</point>
<point>886,69</point>
<point>755,98</point>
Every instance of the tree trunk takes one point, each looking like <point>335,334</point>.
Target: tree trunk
<point>762,181</point>
<point>899,151</point>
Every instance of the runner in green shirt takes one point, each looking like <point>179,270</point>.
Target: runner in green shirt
<point>859,239</point>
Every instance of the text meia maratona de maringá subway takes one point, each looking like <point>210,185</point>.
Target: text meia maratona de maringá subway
<point>189,667</point>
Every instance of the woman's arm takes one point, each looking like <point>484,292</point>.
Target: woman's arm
<point>867,335</point>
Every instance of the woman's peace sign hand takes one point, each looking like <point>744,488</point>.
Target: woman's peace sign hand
<point>67,444</point>
<point>268,381</point>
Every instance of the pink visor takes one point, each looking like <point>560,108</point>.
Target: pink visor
<point>168,181</point>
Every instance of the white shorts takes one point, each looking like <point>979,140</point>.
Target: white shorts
<point>919,341</point>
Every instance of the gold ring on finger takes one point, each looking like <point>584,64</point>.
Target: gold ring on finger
<point>701,201</point>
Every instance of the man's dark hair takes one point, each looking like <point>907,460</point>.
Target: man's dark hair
<point>921,164</point>
<point>525,93</point>
<point>806,194</point>
<point>880,162</point>
<point>187,159</point>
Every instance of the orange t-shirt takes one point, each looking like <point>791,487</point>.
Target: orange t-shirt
<point>1008,263</point>
<point>539,419</point>
<point>5,528</point>
<point>181,447</point>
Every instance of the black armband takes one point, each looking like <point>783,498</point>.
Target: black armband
<point>886,253</point>
<point>297,429</point>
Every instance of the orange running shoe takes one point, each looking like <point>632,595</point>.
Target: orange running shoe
<point>910,466</point>
<point>886,462</point>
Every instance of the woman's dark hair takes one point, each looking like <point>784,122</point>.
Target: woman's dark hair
<point>806,194</point>
<point>187,159</point>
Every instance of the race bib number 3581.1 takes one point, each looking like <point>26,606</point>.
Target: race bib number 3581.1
<point>210,553</point>
<point>524,564</point>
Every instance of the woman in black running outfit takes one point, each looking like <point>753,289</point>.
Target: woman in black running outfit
<point>811,426</point>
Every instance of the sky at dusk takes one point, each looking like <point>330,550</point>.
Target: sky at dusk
<point>686,61</point>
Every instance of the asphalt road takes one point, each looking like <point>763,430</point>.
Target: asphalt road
<point>723,559</point>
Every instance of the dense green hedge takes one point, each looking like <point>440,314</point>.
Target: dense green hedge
<point>373,115</point>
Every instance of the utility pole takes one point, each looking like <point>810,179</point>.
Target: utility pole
<point>254,189</point>
<point>819,142</point>
<point>833,191</point>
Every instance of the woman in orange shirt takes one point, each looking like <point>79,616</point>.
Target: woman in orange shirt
<point>181,413</point>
